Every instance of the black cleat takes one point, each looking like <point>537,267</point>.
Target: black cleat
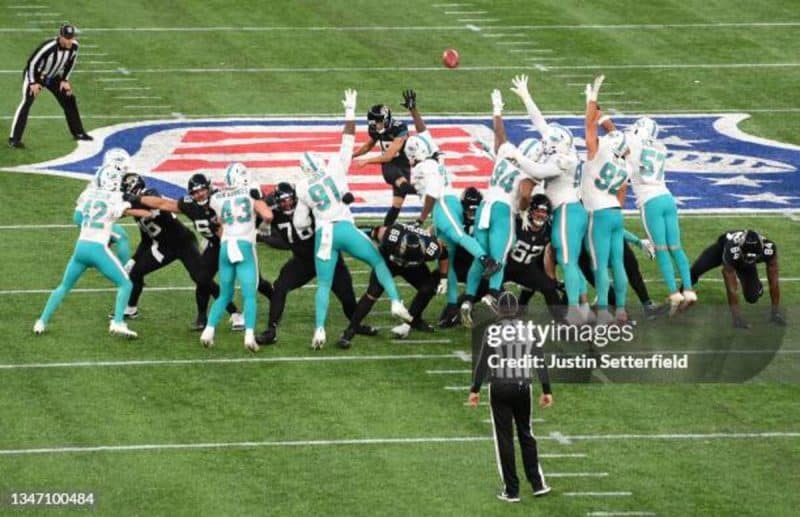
<point>422,325</point>
<point>199,324</point>
<point>347,339</point>
<point>653,311</point>
<point>503,496</point>
<point>83,136</point>
<point>268,337</point>
<point>15,144</point>
<point>450,317</point>
<point>490,266</point>
<point>367,330</point>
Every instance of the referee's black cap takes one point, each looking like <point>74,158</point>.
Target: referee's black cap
<point>67,31</point>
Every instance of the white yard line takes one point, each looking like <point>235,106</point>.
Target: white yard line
<point>154,106</point>
<point>127,88</point>
<point>447,372</point>
<point>138,97</point>
<point>230,360</point>
<point>577,474</point>
<point>598,494</point>
<point>612,513</point>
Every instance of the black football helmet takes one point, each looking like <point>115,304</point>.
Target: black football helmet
<point>197,183</point>
<point>752,247</point>
<point>471,199</point>
<point>540,210</point>
<point>132,184</point>
<point>409,251</point>
<point>379,113</point>
<point>285,197</point>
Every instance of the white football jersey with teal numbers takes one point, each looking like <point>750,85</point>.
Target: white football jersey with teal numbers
<point>100,209</point>
<point>566,187</point>
<point>323,194</point>
<point>234,208</point>
<point>504,184</point>
<point>602,178</point>
<point>646,163</point>
<point>431,178</point>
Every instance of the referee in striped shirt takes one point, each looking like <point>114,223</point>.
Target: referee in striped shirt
<point>49,66</point>
<point>510,395</point>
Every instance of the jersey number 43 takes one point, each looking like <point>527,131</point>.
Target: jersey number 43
<point>238,209</point>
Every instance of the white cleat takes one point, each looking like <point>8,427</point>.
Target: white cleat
<point>121,329</point>
<point>675,301</point>
<point>237,321</point>
<point>689,299</point>
<point>399,311</point>
<point>466,314</point>
<point>250,341</point>
<point>401,331</point>
<point>604,318</point>
<point>38,327</point>
<point>319,339</point>
<point>207,337</point>
<point>622,315</point>
<point>576,315</point>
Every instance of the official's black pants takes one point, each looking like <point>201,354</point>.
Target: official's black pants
<point>511,405</point>
<point>420,277</point>
<point>296,273</point>
<point>67,101</point>
<point>711,258</point>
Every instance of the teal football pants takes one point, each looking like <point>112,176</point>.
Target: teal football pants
<point>497,239</point>
<point>91,254</point>
<point>605,241</point>
<point>448,220</point>
<point>246,273</point>
<point>119,236</point>
<point>349,239</point>
<point>660,218</point>
<point>569,229</point>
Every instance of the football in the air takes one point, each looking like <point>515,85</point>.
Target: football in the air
<point>450,58</point>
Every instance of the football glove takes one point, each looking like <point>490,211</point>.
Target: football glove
<point>349,102</point>
<point>497,103</point>
<point>526,221</point>
<point>649,248</point>
<point>348,198</point>
<point>777,318</point>
<point>442,287</point>
<point>594,88</point>
<point>409,99</point>
<point>520,87</point>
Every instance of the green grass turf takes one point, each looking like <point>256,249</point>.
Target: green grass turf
<point>272,401</point>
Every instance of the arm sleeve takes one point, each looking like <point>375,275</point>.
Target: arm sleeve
<point>536,170</point>
<point>632,238</point>
<point>346,151</point>
<point>536,116</point>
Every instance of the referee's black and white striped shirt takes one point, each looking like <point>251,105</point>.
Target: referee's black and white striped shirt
<point>50,61</point>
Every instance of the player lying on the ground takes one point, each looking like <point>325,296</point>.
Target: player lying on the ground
<point>197,208</point>
<point>392,135</point>
<point>406,249</point>
<point>603,193</point>
<point>324,195</point>
<point>509,192</point>
<point>299,269</point>
<point>570,218</point>
<point>739,252</point>
<point>237,206</point>
<point>101,206</point>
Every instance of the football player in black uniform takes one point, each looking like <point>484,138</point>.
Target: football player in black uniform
<point>406,249</point>
<point>299,269</point>
<point>738,252</point>
<point>392,135</point>
<point>195,206</point>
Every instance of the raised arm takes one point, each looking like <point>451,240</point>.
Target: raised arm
<point>497,119</point>
<point>520,87</point>
<point>592,116</point>
<point>410,103</point>
<point>348,135</point>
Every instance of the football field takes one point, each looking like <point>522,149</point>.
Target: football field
<point>162,426</point>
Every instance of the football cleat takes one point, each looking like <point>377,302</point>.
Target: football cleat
<point>675,301</point>
<point>503,496</point>
<point>542,491</point>
<point>38,327</point>
<point>575,316</point>
<point>347,339</point>
<point>449,317</point>
<point>399,311</point>
<point>490,266</point>
<point>604,318</point>
<point>466,314</point>
<point>652,311</point>
<point>250,341</point>
<point>422,325</point>
<point>121,329</point>
<point>401,331</point>
<point>198,325</point>
<point>318,341</point>
<point>689,299</point>
<point>130,313</point>
<point>267,337</point>
<point>621,315</point>
<point>237,321</point>
<point>207,337</point>
<point>367,330</point>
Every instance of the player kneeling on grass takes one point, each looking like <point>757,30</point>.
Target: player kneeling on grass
<point>738,252</point>
<point>101,206</point>
<point>324,195</point>
<point>237,206</point>
<point>405,248</point>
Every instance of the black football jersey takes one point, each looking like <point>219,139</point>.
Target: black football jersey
<point>390,244</point>
<point>300,242</point>
<point>530,244</point>
<point>162,227</point>
<point>732,252</point>
<point>395,130</point>
<point>203,217</point>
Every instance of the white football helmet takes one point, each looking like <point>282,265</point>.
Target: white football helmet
<point>237,175</point>
<point>645,128</point>
<point>418,149</point>
<point>618,143</point>
<point>119,158</point>
<point>559,139</point>
<point>312,165</point>
<point>532,148</point>
<point>108,178</point>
